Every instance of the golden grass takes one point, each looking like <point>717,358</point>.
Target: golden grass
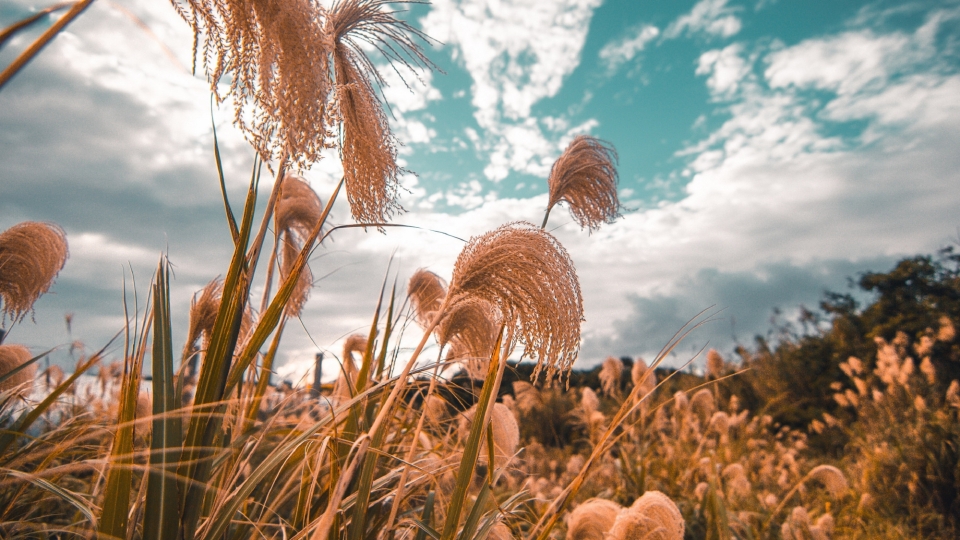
<point>585,177</point>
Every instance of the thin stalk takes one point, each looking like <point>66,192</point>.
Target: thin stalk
<point>34,49</point>
<point>11,30</point>
<point>546,216</point>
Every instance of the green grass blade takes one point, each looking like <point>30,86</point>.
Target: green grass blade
<point>471,449</point>
<point>161,517</point>
<point>231,220</point>
<point>426,517</point>
<point>116,502</point>
<point>211,383</point>
<point>473,518</point>
<point>270,318</point>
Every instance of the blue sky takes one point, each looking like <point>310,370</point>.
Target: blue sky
<point>768,151</point>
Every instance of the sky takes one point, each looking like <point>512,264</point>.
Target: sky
<point>769,150</point>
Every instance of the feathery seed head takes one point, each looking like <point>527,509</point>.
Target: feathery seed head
<point>639,376</point>
<point>610,373</point>
<point>704,403</point>
<point>529,280</point>
<point>527,396</point>
<point>426,291</point>
<point>470,328</point>
<point>953,394</point>
<point>592,519</point>
<point>203,316</point>
<point>297,213</point>
<point>585,176</point>
<point>589,400</point>
<point>368,148</point>
<point>506,433</point>
<point>11,357</point>
<point>31,256</point>
<point>831,478</point>
<point>715,364</point>
<point>661,510</point>
<point>276,57</point>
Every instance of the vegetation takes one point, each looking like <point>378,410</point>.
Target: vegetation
<point>846,429</point>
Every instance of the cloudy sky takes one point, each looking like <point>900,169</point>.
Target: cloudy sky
<point>768,151</point>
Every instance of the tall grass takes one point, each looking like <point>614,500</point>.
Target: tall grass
<point>210,450</point>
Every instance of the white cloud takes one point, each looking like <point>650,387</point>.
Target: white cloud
<point>518,52</point>
<point>711,17</point>
<point>725,67</point>
<point>621,51</point>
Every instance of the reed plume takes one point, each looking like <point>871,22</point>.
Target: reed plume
<point>470,330</point>
<point>832,478</point>
<point>12,357</point>
<point>592,519</point>
<point>347,380</point>
<point>661,511</point>
<point>426,291</point>
<point>585,177</point>
<point>610,374</point>
<point>528,278</point>
<point>506,434</point>
<point>203,315</point>
<point>297,213</point>
<point>715,364</point>
<point>639,376</point>
<point>276,58</point>
<point>368,148</point>
<point>31,256</point>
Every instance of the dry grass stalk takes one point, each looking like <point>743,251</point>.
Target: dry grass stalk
<point>592,519</point>
<point>31,256</point>
<point>11,357</point>
<point>610,373</point>
<point>368,148</point>
<point>297,213</point>
<point>585,176</point>
<point>528,278</point>
<point>426,291</point>
<point>276,57</point>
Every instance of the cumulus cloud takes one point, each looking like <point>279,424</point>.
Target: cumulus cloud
<point>776,188</point>
<point>710,17</point>
<point>518,52</point>
<point>621,51</point>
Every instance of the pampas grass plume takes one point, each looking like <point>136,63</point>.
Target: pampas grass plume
<point>715,364</point>
<point>831,478</point>
<point>506,433</point>
<point>31,256</point>
<point>297,213</point>
<point>530,281</point>
<point>610,373</point>
<point>585,177</point>
<point>426,291</point>
<point>662,510</point>
<point>592,519</point>
<point>11,357</point>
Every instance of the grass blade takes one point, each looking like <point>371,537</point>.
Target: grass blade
<point>162,513</point>
<point>471,449</point>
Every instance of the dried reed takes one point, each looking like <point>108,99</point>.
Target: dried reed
<point>31,256</point>
<point>585,176</point>
<point>426,291</point>
<point>506,434</point>
<point>592,519</point>
<point>470,330</point>
<point>610,373</point>
<point>528,278</point>
<point>276,58</point>
<point>297,213</point>
<point>347,380</point>
<point>367,147</point>
<point>11,357</point>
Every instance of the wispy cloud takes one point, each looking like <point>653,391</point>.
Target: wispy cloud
<point>518,52</point>
<point>623,50</point>
<point>710,17</point>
